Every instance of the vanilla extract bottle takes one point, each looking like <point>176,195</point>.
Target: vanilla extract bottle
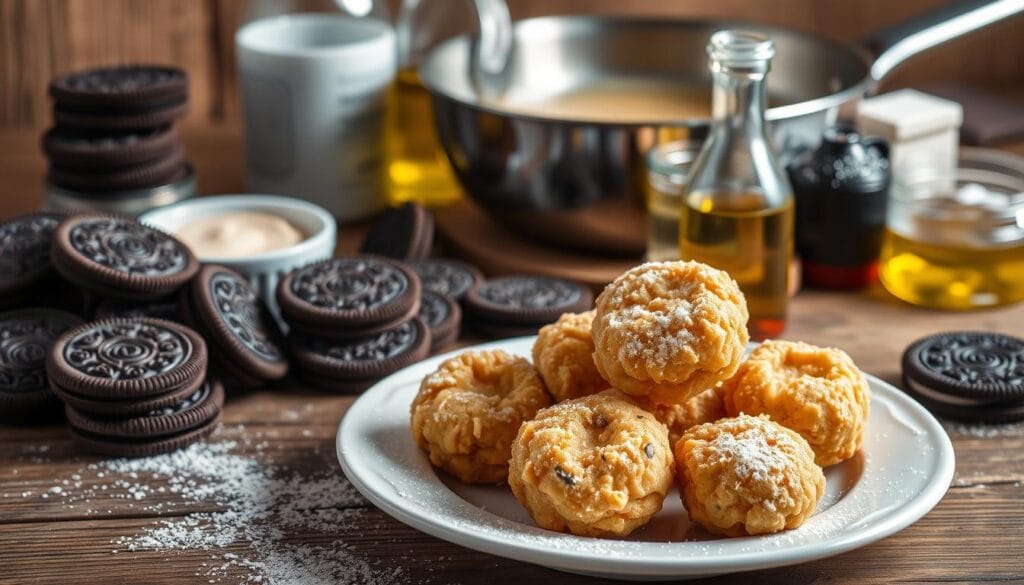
<point>738,213</point>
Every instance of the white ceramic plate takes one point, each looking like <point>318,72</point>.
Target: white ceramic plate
<point>903,470</point>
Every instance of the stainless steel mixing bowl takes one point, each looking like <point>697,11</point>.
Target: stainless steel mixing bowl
<point>576,181</point>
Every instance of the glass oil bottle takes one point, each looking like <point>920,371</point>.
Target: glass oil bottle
<point>417,169</point>
<point>738,212</point>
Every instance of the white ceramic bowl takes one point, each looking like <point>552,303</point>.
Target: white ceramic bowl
<point>263,270</point>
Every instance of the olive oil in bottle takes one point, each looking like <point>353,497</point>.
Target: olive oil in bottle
<point>418,169</point>
<point>738,210</point>
<point>737,233</point>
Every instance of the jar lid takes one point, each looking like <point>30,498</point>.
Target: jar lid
<point>906,114</point>
<point>845,162</point>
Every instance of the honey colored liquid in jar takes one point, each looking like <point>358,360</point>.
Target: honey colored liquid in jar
<point>951,277</point>
<point>736,233</point>
<point>417,168</point>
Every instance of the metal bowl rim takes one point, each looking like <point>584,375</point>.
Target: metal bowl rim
<point>785,112</point>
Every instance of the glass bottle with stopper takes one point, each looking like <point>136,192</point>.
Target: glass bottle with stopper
<point>738,211</point>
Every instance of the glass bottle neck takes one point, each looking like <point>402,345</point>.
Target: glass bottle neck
<point>739,100</point>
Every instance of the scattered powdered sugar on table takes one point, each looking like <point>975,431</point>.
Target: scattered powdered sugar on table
<point>250,503</point>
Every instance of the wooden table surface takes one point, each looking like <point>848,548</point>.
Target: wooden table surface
<point>50,535</point>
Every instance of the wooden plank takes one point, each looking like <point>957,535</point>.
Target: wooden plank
<point>28,63</point>
<point>971,536</point>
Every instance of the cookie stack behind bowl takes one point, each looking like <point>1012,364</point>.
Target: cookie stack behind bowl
<point>114,135</point>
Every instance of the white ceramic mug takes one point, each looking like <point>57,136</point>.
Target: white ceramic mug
<point>314,89</point>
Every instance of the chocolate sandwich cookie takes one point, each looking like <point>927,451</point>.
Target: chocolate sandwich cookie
<point>188,413</point>
<point>133,85</point>
<point>124,98</point>
<point>167,309</point>
<point>120,257</point>
<point>442,316</point>
<point>519,305</point>
<point>349,297</point>
<point>243,338</point>
<point>72,149</point>
<point>121,119</point>
<point>107,407</point>
<point>116,447</point>
<point>25,267</point>
<point>967,375</point>
<point>445,276</point>
<point>139,176</point>
<point>25,338</point>
<point>402,233</point>
<point>160,430</point>
<point>355,364</point>
<point>126,359</point>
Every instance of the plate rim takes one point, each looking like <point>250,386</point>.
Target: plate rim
<point>581,561</point>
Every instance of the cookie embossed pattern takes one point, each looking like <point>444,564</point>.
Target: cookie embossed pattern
<point>966,375</point>
<point>237,304</point>
<point>25,335</point>
<point>127,246</point>
<point>118,257</point>
<point>125,349</point>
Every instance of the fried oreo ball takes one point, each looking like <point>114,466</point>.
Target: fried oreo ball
<point>466,414</point>
<point>593,466</point>
<point>815,391</point>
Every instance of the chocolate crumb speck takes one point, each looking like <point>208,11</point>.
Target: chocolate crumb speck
<point>565,476</point>
<point>649,450</point>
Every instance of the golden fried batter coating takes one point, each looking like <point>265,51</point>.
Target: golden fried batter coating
<point>595,466</point>
<point>818,392</point>
<point>669,330</point>
<point>703,408</point>
<point>747,475</point>
<point>467,413</point>
<point>564,356</point>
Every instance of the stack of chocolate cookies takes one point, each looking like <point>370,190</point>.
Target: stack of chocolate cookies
<point>353,320</point>
<point>113,129</point>
<point>134,380</point>
<point>134,387</point>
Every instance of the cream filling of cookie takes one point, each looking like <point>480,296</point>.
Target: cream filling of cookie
<point>238,235</point>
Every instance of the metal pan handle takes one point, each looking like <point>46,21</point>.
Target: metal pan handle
<point>492,48</point>
<point>896,44</point>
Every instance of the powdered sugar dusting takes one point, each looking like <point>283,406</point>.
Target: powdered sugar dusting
<point>250,503</point>
<point>753,458</point>
<point>653,334</point>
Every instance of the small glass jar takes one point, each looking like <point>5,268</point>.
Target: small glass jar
<point>667,168</point>
<point>956,241</point>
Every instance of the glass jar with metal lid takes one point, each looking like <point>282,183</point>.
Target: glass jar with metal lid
<point>956,240</point>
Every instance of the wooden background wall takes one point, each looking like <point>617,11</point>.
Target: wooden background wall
<point>39,38</point>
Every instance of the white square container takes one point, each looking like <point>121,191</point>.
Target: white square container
<point>923,131</point>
